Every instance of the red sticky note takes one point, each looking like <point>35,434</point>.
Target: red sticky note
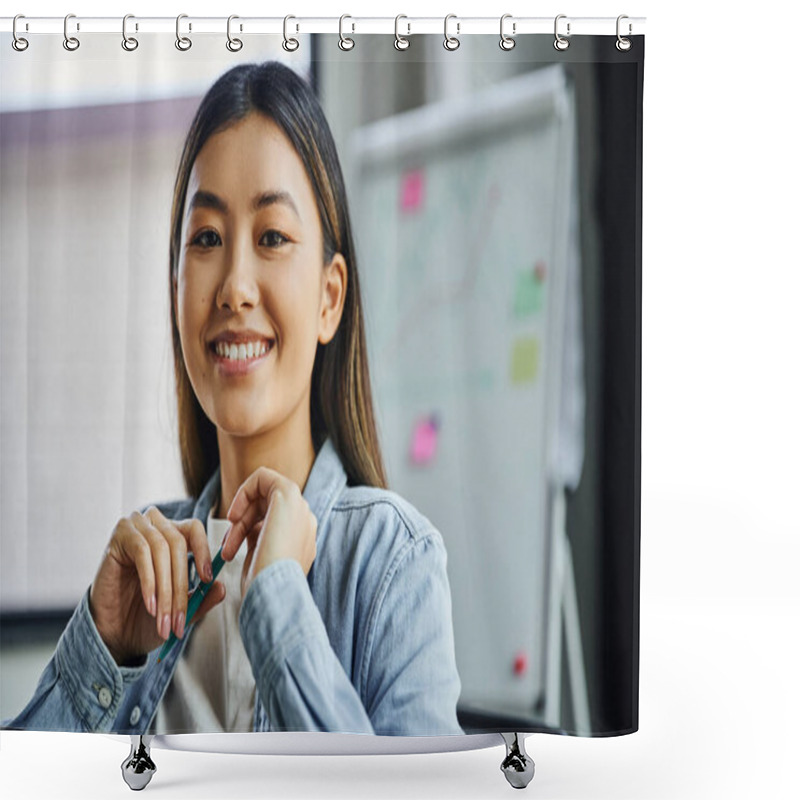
<point>412,190</point>
<point>424,440</point>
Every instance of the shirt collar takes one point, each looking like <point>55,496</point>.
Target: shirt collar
<point>325,482</point>
<point>324,485</point>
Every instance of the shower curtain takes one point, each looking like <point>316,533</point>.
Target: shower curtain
<point>494,199</point>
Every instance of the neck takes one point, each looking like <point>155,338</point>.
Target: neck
<point>287,449</point>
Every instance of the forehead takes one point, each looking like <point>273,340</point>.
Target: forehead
<point>251,156</point>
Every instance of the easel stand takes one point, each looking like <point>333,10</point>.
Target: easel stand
<point>563,607</point>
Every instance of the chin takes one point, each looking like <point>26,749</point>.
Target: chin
<point>239,424</point>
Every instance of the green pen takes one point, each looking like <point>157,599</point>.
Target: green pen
<point>194,603</point>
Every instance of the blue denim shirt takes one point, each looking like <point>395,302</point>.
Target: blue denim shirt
<point>364,644</point>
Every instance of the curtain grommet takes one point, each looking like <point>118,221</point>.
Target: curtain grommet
<point>290,44</point>
<point>622,44</point>
<point>183,43</point>
<point>19,43</point>
<point>233,44</point>
<point>345,42</point>
<point>129,43</point>
<point>561,43</point>
<point>401,42</point>
<point>70,43</point>
<point>451,43</point>
<point>507,42</point>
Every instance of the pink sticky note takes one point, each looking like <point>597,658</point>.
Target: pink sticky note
<point>423,444</point>
<point>412,190</point>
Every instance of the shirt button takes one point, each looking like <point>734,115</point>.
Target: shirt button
<point>135,714</point>
<point>104,696</point>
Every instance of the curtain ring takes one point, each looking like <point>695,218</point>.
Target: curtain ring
<point>70,42</point>
<point>345,42</point>
<point>182,42</point>
<point>18,43</point>
<point>290,45</point>
<point>507,42</point>
<point>561,43</point>
<point>234,45</point>
<point>400,42</point>
<point>451,42</point>
<point>129,43</point>
<point>623,44</point>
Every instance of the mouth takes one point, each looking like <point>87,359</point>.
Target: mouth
<point>239,357</point>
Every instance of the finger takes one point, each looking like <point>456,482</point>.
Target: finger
<point>179,565</point>
<point>162,566</point>
<point>242,533</point>
<point>197,540</point>
<point>266,547</point>
<point>250,502</point>
<point>254,493</point>
<point>216,594</point>
<point>270,520</point>
<point>196,536</point>
<point>136,550</point>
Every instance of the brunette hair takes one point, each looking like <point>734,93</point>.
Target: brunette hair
<point>341,398</point>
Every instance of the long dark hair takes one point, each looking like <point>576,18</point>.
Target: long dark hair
<point>341,398</point>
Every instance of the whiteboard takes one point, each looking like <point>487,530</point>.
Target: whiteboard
<point>466,239</point>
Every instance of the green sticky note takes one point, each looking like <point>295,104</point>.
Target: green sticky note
<point>524,360</point>
<point>529,292</point>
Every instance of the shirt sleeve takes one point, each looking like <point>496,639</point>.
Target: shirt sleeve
<point>299,677</point>
<point>408,682</point>
<point>410,677</point>
<point>82,687</point>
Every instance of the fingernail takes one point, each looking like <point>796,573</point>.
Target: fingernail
<point>180,625</point>
<point>209,573</point>
<point>164,631</point>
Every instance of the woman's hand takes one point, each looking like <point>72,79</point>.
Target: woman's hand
<point>141,589</point>
<point>270,512</point>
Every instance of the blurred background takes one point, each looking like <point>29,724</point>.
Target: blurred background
<point>487,226</point>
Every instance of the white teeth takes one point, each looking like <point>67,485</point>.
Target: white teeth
<point>241,352</point>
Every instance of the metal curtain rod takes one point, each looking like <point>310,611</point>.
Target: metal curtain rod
<point>458,26</point>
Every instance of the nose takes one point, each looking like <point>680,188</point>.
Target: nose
<point>238,288</point>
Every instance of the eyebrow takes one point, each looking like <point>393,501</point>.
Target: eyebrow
<point>202,198</point>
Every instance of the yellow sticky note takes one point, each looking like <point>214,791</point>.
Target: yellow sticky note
<point>524,360</point>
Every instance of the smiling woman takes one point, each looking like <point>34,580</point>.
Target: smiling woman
<point>261,127</point>
<point>251,274</point>
<point>332,610</point>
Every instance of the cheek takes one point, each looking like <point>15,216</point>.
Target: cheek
<point>192,309</point>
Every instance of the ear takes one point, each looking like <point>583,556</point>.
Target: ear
<point>334,291</point>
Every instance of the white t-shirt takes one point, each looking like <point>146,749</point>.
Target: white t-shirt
<point>213,689</point>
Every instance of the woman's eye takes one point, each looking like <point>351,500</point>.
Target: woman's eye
<point>274,239</point>
<point>206,239</point>
<point>209,238</point>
